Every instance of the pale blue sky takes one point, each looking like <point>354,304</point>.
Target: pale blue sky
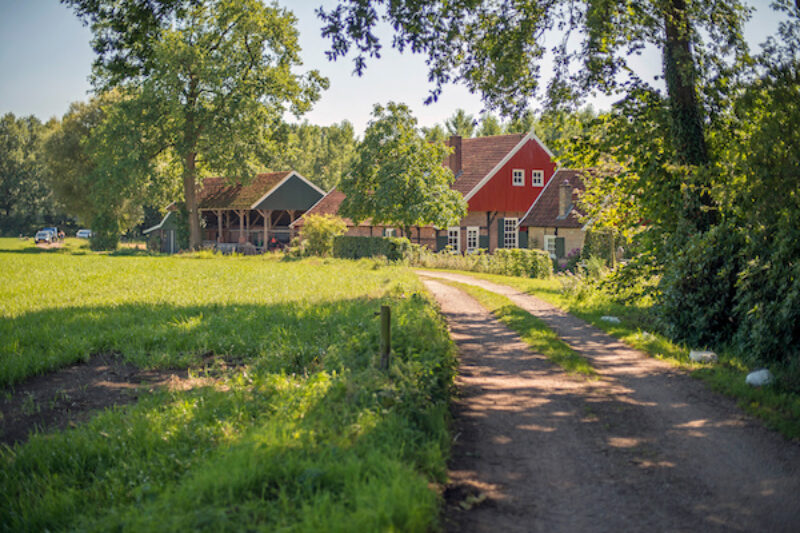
<point>45,61</point>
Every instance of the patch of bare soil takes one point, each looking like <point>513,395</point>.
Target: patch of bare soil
<point>643,448</point>
<point>71,395</point>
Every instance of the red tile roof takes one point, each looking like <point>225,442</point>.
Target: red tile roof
<point>480,155</point>
<point>328,205</point>
<point>218,193</point>
<point>544,211</point>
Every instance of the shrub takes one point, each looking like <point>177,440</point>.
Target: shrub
<point>698,287</point>
<point>319,232</point>
<point>511,262</point>
<point>767,301</point>
<point>105,232</point>
<point>392,248</point>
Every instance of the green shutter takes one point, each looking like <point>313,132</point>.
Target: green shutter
<point>441,241</point>
<point>483,242</point>
<point>383,232</point>
<point>560,247</point>
<point>523,238</point>
<point>501,222</point>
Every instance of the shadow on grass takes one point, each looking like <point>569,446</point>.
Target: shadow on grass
<point>287,337</point>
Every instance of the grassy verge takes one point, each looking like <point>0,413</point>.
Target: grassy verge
<point>298,432</point>
<point>778,408</point>
<point>531,330</point>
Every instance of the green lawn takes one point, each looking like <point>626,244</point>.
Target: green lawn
<point>779,408</point>
<point>305,433</point>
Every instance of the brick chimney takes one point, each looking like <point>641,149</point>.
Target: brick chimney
<point>454,161</point>
<point>564,198</point>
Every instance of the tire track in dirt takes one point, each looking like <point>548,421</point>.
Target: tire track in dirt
<point>643,448</point>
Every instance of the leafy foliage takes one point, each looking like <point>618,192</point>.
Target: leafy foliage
<point>206,83</point>
<point>352,247</point>
<point>522,262</point>
<point>25,197</point>
<point>397,178</point>
<point>319,232</point>
<point>320,153</point>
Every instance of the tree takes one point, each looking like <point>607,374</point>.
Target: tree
<point>205,83</point>
<point>320,153</point>
<point>495,47</point>
<point>460,124</point>
<point>434,134</point>
<point>397,177</point>
<point>490,125</point>
<point>96,171</point>
<point>25,198</point>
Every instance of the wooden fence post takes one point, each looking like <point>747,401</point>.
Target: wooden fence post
<point>386,335</point>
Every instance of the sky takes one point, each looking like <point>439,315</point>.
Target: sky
<point>45,63</point>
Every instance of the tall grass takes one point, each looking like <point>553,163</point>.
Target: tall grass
<point>302,433</point>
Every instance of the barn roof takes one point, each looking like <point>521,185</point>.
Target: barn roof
<point>219,193</point>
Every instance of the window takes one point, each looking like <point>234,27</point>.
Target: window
<point>472,238</point>
<point>510,233</point>
<point>388,232</point>
<point>518,177</point>
<point>454,238</point>
<point>550,245</point>
<point>537,178</point>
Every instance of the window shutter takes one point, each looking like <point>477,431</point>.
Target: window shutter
<point>441,241</point>
<point>560,247</point>
<point>483,242</point>
<point>501,222</point>
<point>523,238</point>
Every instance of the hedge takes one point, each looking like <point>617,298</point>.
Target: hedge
<point>350,247</point>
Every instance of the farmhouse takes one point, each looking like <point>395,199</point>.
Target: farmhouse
<point>501,177</point>
<point>247,217</point>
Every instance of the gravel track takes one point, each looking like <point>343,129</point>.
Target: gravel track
<point>643,448</point>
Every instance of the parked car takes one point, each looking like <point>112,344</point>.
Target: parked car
<point>45,236</point>
<point>57,236</point>
<point>84,234</point>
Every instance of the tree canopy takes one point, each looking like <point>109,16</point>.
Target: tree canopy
<point>397,177</point>
<point>205,83</point>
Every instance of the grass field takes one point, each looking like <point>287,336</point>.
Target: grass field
<point>779,408</point>
<point>301,432</point>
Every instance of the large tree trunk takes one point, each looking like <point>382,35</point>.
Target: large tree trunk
<point>189,192</point>
<point>686,113</point>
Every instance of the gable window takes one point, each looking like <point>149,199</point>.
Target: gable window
<point>454,237</point>
<point>472,238</point>
<point>510,233</point>
<point>537,178</point>
<point>518,177</point>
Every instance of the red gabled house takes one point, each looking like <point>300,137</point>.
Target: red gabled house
<point>500,177</point>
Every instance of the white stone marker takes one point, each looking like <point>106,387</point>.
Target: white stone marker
<point>759,378</point>
<point>702,356</point>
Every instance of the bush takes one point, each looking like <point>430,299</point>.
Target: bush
<point>698,287</point>
<point>105,232</point>
<point>511,262</point>
<point>392,248</point>
<point>319,232</point>
<point>767,301</point>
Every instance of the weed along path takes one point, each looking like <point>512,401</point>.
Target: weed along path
<point>640,447</point>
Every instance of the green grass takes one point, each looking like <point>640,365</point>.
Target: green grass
<point>304,433</point>
<point>531,330</point>
<point>778,408</point>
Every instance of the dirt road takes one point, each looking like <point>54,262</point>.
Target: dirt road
<point>643,448</point>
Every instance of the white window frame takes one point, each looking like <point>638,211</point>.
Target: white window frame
<point>473,238</point>
<point>518,177</point>
<point>510,233</point>
<point>454,234</point>
<point>550,245</point>
<point>388,232</point>
<point>537,178</point>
